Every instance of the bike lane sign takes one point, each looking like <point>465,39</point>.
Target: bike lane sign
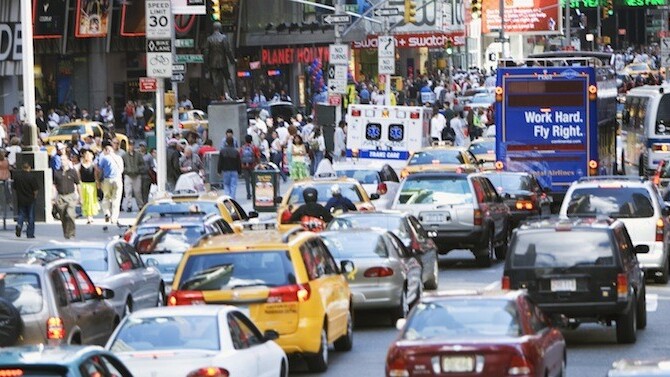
<point>159,46</point>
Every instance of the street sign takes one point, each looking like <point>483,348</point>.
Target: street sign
<point>184,43</point>
<point>158,19</point>
<point>387,12</point>
<point>337,79</point>
<point>178,77</point>
<point>386,54</point>
<point>501,40</point>
<point>148,84</point>
<point>189,6</point>
<point>159,64</point>
<point>190,58</point>
<point>338,54</point>
<point>159,45</point>
<point>336,19</point>
<point>176,68</point>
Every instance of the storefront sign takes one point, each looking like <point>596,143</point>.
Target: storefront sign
<point>414,41</point>
<point>290,55</point>
<point>10,42</point>
<point>523,16</point>
<point>48,18</point>
<point>92,18</point>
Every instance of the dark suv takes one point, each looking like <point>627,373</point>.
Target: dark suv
<point>585,270</point>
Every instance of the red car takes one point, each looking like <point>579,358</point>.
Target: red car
<point>489,333</point>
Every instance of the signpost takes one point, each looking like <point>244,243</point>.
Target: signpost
<point>387,12</point>
<point>337,79</point>
<point>190,58</point>
<point>386,62</point>
<point>331,19</point>
<point>184,43</point>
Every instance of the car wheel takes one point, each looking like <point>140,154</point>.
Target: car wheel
<point>501,250</point>
<point>319,362</point>
<point>10,323</point>
<point>402,309</point>
<point>160,301</point>
<point>346,341</point>
<point>484,255</point>
<point>432,283</point>
<point>283,372</point>
<point>641,306</point>
<point>626,326</point>
<point>663,279</point>
<point>128,307</point>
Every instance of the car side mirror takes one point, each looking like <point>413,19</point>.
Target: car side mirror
<point>252,215</point>
<point>104,293</point>
<point>151,262</point>
<point>374,196</point>
<point>278,200</point>
<point>269,335</point>
<point>400,323</point>
<point>641,249</point>
<point>347,267</point>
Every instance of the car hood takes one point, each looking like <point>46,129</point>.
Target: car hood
<point>171,362</point>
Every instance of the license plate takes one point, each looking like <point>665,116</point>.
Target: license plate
<point>436,217</point>
<point>458,364</point>
<point>564,285</point>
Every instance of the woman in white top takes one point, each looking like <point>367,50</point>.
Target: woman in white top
<point>317,145</point>
<point>340,142</point>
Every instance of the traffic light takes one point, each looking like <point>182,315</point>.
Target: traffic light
<point>448,47</point>
<point>476,9</point>
<point>216,10</point>
<point>410,12</point>
<point>608,9</point>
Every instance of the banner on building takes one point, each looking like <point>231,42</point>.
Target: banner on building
<point>92,18</point>
<point>435,40</point>
<point>427,18</point>
<point>290,55</point>
<point>132,19</point>
<point>48,18</point>
<point>522,16</point>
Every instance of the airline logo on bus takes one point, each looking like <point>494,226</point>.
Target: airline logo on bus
<point>563,130</point>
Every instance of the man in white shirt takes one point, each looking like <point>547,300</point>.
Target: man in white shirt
<point>459,126</point>
<point>437,124</point>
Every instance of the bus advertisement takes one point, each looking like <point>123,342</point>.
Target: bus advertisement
<point>547,123</point>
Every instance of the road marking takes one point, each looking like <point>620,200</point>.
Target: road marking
<point>652,302</point>
<point>495,285</point>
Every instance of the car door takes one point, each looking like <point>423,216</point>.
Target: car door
<point>428,247</point>
<point>126,281</point>
<point>71,306</point>
<point>335,287</point>
<point>246,358</point>
<point>411,265</point>
<point>101,315</point>
<point>497,210</point>
<point>147,280</point>
<point>268,359</point>
<point>628,258</point>
<point>546,339</point>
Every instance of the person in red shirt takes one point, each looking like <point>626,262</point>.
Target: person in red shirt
<point>250,156</point>
<point>206,148</point>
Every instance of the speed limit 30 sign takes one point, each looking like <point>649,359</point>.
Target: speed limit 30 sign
<point>158,19</point>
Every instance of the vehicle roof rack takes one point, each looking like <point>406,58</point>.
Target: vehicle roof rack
<point>612,178</point>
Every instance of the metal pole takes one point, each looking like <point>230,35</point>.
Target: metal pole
<point>568,37</point>
<point>161,158</point>
<point>599,30</point>
<point>28,63</point>
<point>387,77</point>
<point>502,28</point>
<point>175,85</point>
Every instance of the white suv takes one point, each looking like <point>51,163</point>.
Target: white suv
<point>637,203</point>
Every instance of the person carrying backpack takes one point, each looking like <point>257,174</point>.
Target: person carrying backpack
<point>250,156</point>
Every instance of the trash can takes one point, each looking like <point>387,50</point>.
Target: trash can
<point>265,181</point>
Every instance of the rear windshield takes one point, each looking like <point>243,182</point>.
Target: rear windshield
<point>390,223</point>
<point>92,259</point>
<point>438,156</point>
<point>483,147</point>
<point>168,333</point>
<point>510,182</point>
<point>365,177</point>
<point>355,245</point>
<point>349,190</point>
<point>177,240</point>
<point>448,190</point>
<point>23,290</point>
<point>69,130</point>
<point>616,202</point>
<point>562,249</point>
<point>211,272</point>
<point>463,318</point>
<point>167,210</point>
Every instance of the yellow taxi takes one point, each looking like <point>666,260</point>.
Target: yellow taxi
<point>638,69</point>
<point>484,150</point>
<point>64,132</point>
<point>441,158</point>
<point>288,283</point>
<point>350,188</point>
<point>190,120</point>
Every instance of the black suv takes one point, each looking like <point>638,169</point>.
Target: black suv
<point>585,270</point>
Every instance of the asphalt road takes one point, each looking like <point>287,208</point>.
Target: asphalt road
<point>591,348</point>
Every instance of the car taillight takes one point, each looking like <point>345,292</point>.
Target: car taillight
<point>209,372</point>
<point>11,372</point>
<point>127,235</point>
<point>144,246</point>
<point>55,328</point>
<point>290,293</point>
<point>285,216</point>
<point>519,365</point>
<point>395,365</point>
<point>186,298</point>
<point>381,188</point>
<point>506,283</point>
<point>660,230</point>
<point>478,217</point>
<point>621,286</point>
<point>524,205</point>
<point>378,272</point>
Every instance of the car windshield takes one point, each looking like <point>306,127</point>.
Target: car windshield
<point>168,333</point>
<point>506,183</point>
<point>365,177</point>
<point>562,249</point>
<point>349,190</point>
<point>344,245</point>
<point>178,240</point>
<point>91,258</point>
<point>158,210</point>
<point>68,130</point>
<point>615,202</point>
<point>233,270</point>
<point>23,290</point>
<point>483,147</point>
<point>463,318</point>
<point>390,223</point>
<point>442,190</point>
<point>437,156</point>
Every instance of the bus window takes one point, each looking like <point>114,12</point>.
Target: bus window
<point>663,114</point>
<point>396,132</point>
<point>641,113</point>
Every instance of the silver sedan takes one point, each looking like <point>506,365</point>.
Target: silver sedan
<point>387,274</point>
<point>114,265</point>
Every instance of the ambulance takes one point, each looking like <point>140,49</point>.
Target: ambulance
<point>387,133</point>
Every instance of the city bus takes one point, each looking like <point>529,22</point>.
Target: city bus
<point>646,123</point>
<point>557,120</point>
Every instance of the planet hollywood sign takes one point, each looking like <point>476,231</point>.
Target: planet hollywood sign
<point>414,41</point>
<point>290,55</point>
